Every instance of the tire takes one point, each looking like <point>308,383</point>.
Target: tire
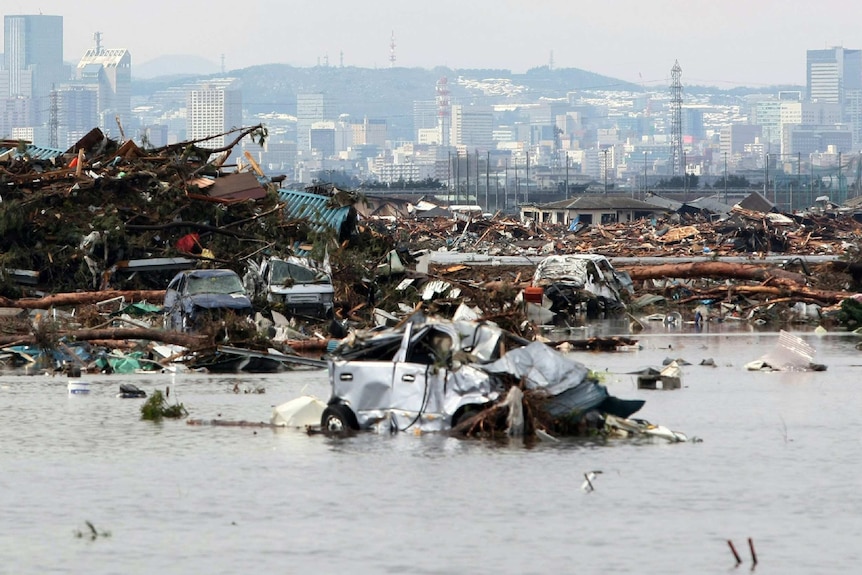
<point>337,418</point>
<point>464,413</point>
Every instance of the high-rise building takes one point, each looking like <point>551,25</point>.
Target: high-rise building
<point>370,132</point>
<point>424,115</point>
<point>14,113</point>
<point>310,108</point>
<point>110,72</point>
<point>32,60</point>
<point>472,127</point>
<point>832,72</point>
<point>734,137</point>
<point>78,113</point>
<point>213,108</point>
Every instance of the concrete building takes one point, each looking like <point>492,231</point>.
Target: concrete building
<point>370,132</point>
<point>767,115</point>
<point>830,73</point>
<point>834,76</point>
<point>472,127</point>
<point>310,108</point>
<point>809,114</point>
<point>214,108</point>
<point>806,139</point>
<point>14,113</point>
<point>78,113</point>
<point>733,138</point>
<point>424,116</point>
<point>591,209</point>
<point>110,72</point>
<point>322,138</point>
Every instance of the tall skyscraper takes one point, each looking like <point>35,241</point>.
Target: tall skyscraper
<point>834,76</point>
<point>110,72</point>
<point>78,113</point>
<point>472,127</point>
<point>33,60</point>
<point>213,108</point>
<point>833,72</point>
<point>311,108</point>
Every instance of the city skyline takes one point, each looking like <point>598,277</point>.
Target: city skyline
<point>734,43</point>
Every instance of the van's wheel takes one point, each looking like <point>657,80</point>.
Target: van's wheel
<point>338,418</point>
<point>464,413</point>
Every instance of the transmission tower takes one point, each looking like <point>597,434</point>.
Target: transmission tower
<point>54,119</point>
<point>676,120</point>
<point>392,50</point>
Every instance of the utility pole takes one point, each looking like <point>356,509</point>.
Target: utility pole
<point>467,187</point>
<point>766,177</point>
<point>527,196</point>
<point>646,185</point>
<point>506,184</point>
<point>725,177</point>
<point>567,176</point>
<point>487,179</point>
<point>605,169</point>
<point>840,197</point>
<point>477,176</point>
<point>684,175</point>
<point>497,189</point>
<point>449,172</point>
<point>517,185</point>
<point>457,175</point>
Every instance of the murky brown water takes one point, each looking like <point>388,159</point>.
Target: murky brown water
<point>780,462</point>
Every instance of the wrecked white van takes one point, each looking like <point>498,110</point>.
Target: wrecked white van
<point>429,374</point>
<point>302,285</point>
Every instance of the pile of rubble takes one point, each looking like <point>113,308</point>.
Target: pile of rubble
<point>109,221</point>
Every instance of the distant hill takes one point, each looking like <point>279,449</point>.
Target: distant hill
<point>175,65</point>
<point>390,92</point>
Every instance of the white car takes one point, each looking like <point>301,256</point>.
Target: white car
<point>301,285</point>
<point>429,374</point>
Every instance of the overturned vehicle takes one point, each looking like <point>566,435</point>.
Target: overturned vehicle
<point>574,284</point>
<point>438,375</point>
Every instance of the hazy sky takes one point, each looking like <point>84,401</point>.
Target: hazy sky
<point>721,42</point>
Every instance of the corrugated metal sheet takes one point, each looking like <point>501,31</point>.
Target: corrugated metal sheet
<point>35,152</point>
<point>312,207</point>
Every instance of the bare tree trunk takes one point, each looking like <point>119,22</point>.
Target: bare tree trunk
<point>164,336</point>
<point>714,270</point>
<point>83,298</point>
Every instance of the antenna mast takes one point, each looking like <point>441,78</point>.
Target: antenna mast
<point>392,50</point>
<point>97,36</point>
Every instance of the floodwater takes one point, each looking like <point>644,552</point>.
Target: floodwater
<point>779,462</point>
